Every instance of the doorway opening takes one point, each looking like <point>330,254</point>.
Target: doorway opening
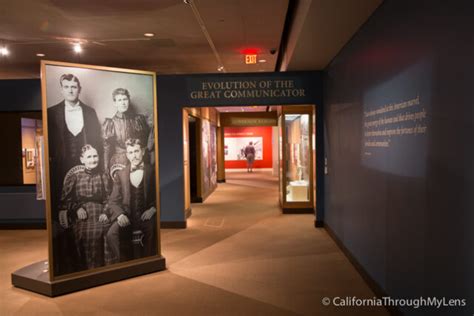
<point>193,159</point>
<point>280,140</point>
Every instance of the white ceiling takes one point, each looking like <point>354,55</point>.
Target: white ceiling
<point>189,38</point>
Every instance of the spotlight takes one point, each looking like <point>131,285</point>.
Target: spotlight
<point>220,68</point>
<point>78,48</point>
<point>149,34</point>
<point>4,51</point>
<point>187,1</point>
<point>40,55</point>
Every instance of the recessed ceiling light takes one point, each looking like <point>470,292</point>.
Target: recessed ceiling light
<point>4,51</point>
<point>149,34</point>
<point>220,68</point>
<point>262,60</point>
<point>77,47</point>
<point>40,55</point>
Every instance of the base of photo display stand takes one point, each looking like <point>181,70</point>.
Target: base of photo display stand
<point>35,277</point>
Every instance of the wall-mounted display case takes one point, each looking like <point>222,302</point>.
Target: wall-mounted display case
<point>296,159</point>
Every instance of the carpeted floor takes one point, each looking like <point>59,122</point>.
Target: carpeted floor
<point>238,256</point>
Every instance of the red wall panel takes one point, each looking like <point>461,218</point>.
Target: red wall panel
<point>265,132</point>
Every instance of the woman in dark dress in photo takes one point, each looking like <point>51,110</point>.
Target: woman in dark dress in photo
<point>84,197</point>
<point>123,125</point>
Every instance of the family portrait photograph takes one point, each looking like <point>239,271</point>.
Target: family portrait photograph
<point>102,176</point>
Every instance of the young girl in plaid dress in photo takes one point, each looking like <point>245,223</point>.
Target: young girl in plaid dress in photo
<point>84,197</point>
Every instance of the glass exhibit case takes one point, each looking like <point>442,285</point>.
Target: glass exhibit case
<point>31,131</point>
<point>296,159</point>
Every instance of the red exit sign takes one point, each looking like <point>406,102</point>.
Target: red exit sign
<point>251,59</point>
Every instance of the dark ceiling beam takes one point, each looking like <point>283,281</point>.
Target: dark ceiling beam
<point>290,14</point>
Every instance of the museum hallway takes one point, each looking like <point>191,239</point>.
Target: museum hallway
<point>238,256</point>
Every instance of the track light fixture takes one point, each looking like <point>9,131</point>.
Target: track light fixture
<point>4,51</point>
<point>77,48</point>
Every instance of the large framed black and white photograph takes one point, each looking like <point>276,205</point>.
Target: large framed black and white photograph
<point>100,138</point>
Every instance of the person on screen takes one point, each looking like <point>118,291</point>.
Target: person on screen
<point>250,156</point>
<point>123,125</point>
<point>132,207</point>
<point>84,197</point>
<point>71,125</point>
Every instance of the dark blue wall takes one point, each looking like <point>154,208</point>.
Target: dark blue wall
<point>19,206</point>
<point>405,213</point>
<point>18,203</point>
<point>20,95</point>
